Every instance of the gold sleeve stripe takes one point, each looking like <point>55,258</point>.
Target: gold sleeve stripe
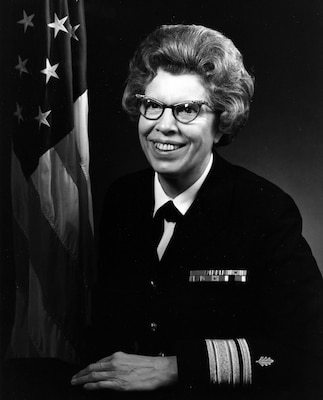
<point>223,358</point>
<point>225,366</point>
<point>212,361</point>
<point>246,361</point>
<point>234,362</point>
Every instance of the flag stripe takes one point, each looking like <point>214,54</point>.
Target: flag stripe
<point>79,171</point>
<point>19,345</point>
<point>81,109</point>
<point>19,195</point>
<point>59,200</point>
<point>58,272</point>
<point>46,336</point>
<point>81,131</point>
<point>56,269</point>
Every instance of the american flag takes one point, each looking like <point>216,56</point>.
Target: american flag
<point>51,194</point>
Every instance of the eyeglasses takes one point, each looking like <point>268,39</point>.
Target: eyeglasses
<point>184,112</point>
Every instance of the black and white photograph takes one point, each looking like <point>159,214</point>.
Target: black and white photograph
<point>161,170</point>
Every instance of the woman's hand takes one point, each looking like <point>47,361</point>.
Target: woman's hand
<point>128,372</point>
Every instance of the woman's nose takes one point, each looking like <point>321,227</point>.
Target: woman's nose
<point>167,124</point>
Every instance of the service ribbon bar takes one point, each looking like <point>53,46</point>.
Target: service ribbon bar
<point>218,275</point>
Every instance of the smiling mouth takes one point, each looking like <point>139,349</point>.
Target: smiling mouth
<point>166,146</point>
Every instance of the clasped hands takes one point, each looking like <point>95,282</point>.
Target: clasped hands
<point>128,372</point>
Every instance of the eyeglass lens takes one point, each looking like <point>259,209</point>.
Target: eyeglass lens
<point>184,112</point>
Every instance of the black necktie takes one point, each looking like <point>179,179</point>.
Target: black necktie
<point>168,212</point>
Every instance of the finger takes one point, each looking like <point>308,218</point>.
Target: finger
<point>103,385</point>
<point>95,367</point>
<point>104,364</point>
<point>92,377</point>
<point>123,385</point>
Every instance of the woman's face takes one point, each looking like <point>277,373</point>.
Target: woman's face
<point>178,152</point>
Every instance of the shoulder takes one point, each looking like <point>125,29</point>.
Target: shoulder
<point>251,191</point>
<point>244,178</point>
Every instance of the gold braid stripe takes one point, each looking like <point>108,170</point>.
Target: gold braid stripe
<point>234,362</point>
<point>212,361</point>
<point>224,363</point>
<point>246,361</point>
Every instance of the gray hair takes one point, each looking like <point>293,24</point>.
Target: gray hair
<point>195,49</point>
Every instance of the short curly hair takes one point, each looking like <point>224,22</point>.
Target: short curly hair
<point>195,49</point>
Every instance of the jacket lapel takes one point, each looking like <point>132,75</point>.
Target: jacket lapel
<point>209,212</point>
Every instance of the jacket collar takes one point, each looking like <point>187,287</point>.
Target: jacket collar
<point>213,199</point>
<point>210,210</point>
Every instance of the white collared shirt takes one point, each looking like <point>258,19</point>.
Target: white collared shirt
<point>182,202</point>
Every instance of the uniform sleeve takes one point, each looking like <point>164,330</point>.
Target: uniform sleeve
<point>217,362</point>
<point>285,348</point>
<point>290,329</point>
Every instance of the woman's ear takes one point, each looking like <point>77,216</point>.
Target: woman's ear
<point>217,136</point>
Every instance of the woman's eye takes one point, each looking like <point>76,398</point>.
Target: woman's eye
<point>187,109</point>
<point>152,105</point>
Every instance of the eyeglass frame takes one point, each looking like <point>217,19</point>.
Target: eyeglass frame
<point>200,103</point>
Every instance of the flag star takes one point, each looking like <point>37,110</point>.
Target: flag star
<point>18,113</point>
<point>58,25</point>
<point>49,71</point>
<point>21,66</point>
<point>26,21</point>
<point>42,117</point>
<point>72,30</point>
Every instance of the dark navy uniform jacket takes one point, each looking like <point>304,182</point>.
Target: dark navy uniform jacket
<point>238,221</point>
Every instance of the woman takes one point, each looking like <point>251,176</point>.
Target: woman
<point>227,297</point>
